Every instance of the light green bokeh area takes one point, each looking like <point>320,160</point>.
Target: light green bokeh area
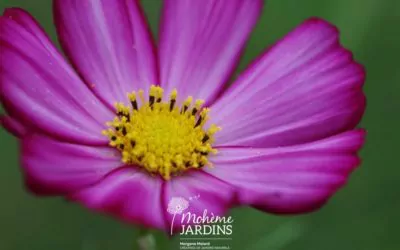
<point>362,216</point>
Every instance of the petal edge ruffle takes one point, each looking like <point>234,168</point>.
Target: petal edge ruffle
<point>307,87</point>
<point>294,179</point>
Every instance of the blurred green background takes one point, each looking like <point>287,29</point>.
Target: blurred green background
<point>363,216</point>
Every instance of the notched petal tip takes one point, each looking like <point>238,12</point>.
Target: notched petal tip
<point>13,126</point>
<point>12,11</point>
<point>318,21</point>
<point>15,14</point>
<point>324,24</point>
<point>308,67</point>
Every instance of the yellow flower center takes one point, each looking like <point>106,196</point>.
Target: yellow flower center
<point>162,137</point>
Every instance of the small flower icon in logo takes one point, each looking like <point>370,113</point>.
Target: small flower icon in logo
<point>177,205</point>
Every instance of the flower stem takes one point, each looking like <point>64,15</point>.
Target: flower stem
<point>146,240</point>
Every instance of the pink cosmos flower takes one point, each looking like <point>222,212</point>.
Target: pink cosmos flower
<point>120,131</point>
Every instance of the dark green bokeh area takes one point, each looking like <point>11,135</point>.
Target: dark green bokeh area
<point>362,216</point>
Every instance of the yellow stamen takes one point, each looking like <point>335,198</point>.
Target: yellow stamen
<point>161,137</point>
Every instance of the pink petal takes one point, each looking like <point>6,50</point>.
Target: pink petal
<point>201,41</point>
<point>13,126</point>
<point>55,168</point>
<point>128,194</point>
<point>109,43</point>
<point>306,87</point>
<point>203,191</point>
<point>40,89</point>
<point>292,179</point>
